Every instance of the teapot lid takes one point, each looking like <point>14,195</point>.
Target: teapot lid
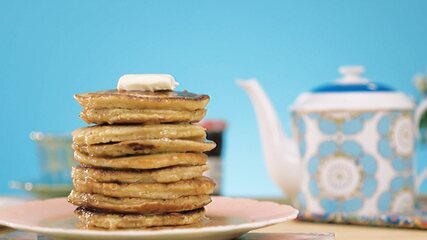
<point>352,82</point>
<point>352,92</point>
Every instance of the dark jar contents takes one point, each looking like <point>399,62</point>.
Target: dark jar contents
<point>215,132</point>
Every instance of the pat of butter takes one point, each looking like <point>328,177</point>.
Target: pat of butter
<point>147,82</point>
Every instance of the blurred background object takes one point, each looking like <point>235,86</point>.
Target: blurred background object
<point>420,82</point>
<point>55,157</point>
<point>53,49</point>
<point>346,136</point>
<point>215,131</point>
<point>350,158</point>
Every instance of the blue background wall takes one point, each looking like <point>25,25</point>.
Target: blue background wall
<point>50,50</point>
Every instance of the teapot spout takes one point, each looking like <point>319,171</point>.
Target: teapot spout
<point>280,152</point>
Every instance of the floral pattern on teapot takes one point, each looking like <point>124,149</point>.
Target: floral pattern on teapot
<point>356,162</point>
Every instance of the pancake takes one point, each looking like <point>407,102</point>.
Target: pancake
<point>138,205</point>
<point>97,219</point>
<point>167,100</point>
<point>152,116</point>
<point>152,161</point>
<point>146,146</point>
<point>162,175</point>
<point>192,187</point>
<point>106,134</point>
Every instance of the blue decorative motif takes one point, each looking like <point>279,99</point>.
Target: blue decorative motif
<point>395,143</point>
<point>301,201</point>
<point>384,148</point>
<point>416,220</point>
<point>314,188</point>
<point>313,165</point>
<point>345,160</point>
<point>384,125</point>
<point>300,124</point>
<point>397,186</point>
<point>314,116</point>
<point>352,148</point>
<point>331,125</point>
<point>353,126</point>
<point>401,164</point>
<point>396,146</point>
<point>384,201</point>
<point>327,126</point>
<point>352,204</point>
<point>341,174</point>
<point>302,147</point>
<point>329,205</point>
<point>367,115</point>
<point>369,164</point>
<point>327,148</point>
<point>369,186</point>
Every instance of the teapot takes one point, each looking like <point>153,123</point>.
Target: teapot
<point>352,148</point>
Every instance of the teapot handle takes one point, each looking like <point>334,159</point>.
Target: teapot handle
<point>420,178</point>
<point>419,111</point>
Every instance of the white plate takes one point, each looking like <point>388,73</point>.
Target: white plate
<point>229,218</point>
<point>11,201</point>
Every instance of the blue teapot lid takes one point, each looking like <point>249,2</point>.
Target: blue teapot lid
<point>352,82</point>
<point>352,92</point>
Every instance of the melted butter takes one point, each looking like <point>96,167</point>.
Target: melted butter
<point>147,82</point>
<point>147,94</point>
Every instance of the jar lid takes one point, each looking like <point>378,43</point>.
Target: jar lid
<point>214,124</point>
<point>352,92</point>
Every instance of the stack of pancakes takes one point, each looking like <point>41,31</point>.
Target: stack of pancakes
<point>142,165</point>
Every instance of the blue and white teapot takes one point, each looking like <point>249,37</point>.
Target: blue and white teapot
<point>352,149</point>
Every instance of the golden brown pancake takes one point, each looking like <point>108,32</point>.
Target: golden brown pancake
<point>162,175</point>
<point>192,187</point>
<point>151,161</point>
<point>170,100</point>
<point>138,205</point>
<point>141,176</point>
<point>152,116</point>
<point>97,219</point>
<point>146,146</point>
<point>119,133</point>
